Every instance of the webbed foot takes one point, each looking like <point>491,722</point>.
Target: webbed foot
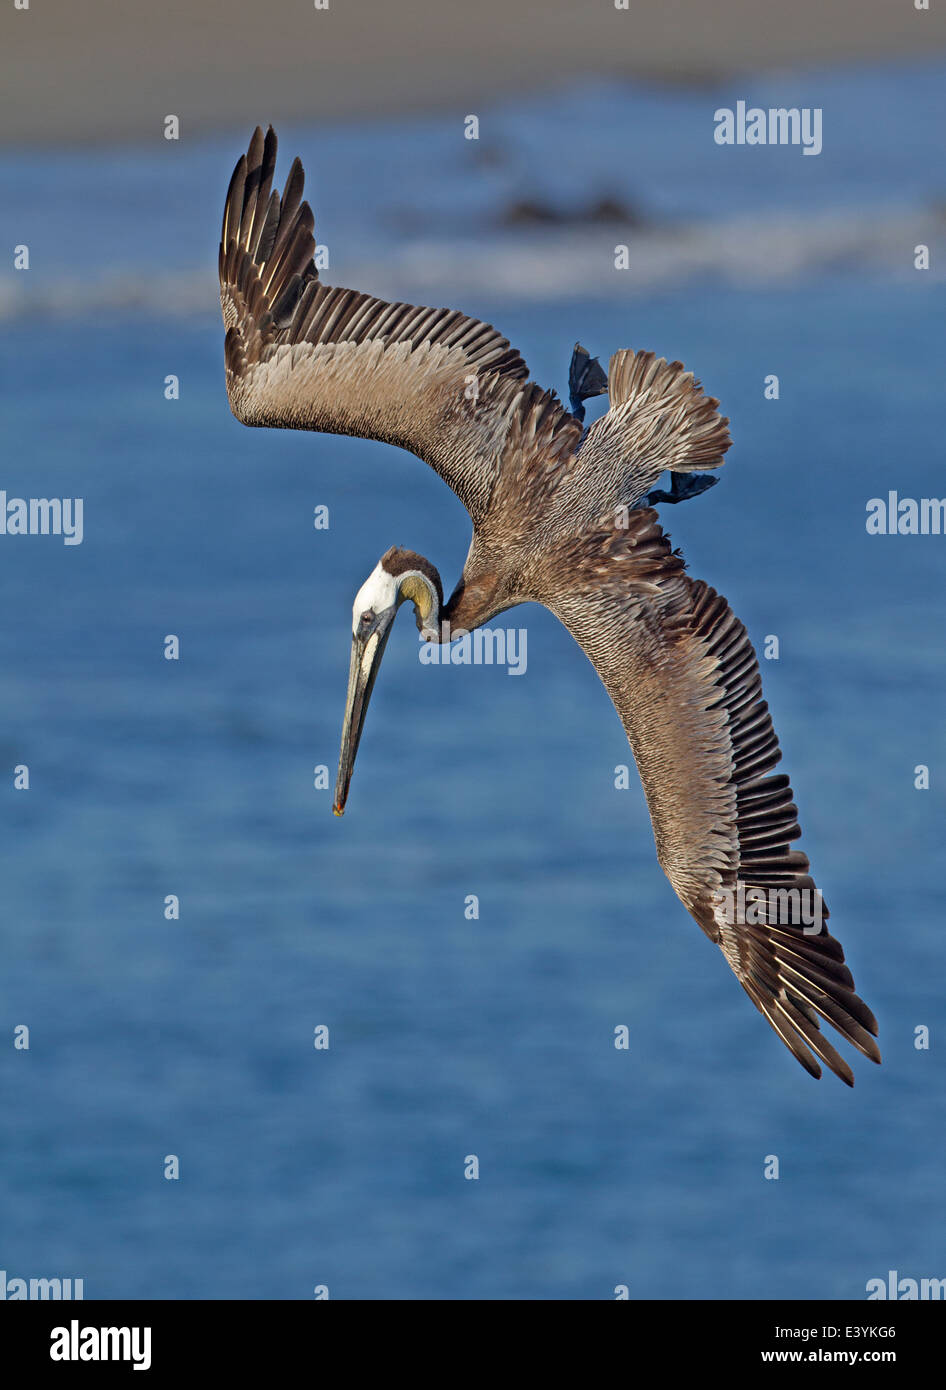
<point>586,378</point>
<point>683,486</point>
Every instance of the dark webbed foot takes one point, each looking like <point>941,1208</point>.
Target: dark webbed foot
<point>683,486</point>
<point>586,378</point>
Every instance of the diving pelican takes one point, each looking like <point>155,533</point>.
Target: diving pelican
<point>560,517</point>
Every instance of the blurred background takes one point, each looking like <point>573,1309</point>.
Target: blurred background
<point>452,1037</point>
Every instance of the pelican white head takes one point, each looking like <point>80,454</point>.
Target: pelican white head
<point>399,575</point>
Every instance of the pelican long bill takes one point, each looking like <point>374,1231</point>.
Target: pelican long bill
<point>367,649</point>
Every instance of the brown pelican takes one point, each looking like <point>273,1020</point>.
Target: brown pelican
<point>559,518</point>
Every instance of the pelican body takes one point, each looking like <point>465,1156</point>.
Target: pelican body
<point>563,517</point>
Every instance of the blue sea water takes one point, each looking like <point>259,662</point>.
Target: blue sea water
<point>449,1037</point>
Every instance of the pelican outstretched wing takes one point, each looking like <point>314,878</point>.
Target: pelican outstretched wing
<point>302,355</point>
<point>685,681</point>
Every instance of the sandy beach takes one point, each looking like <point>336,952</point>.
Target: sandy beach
<point>111,70</point>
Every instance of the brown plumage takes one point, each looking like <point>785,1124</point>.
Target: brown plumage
<point>557,519</point>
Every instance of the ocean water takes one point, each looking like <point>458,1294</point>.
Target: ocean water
<point>451,1037</point>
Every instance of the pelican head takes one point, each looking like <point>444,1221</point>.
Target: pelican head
<point>398,575</point>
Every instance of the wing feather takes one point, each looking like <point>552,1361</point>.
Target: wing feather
<point>684,678</point>
<point>659,418</point>
<point>304,355</point>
